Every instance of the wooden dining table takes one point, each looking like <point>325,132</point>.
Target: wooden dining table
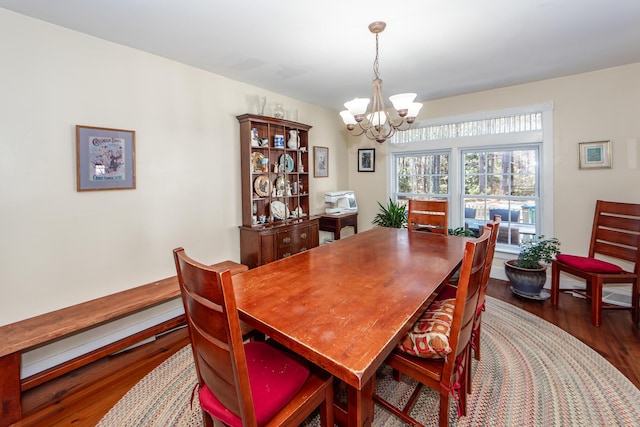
<point>345,305</point>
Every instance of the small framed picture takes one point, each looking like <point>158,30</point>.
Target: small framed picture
<point>595,155</point>
<point>105,158</point>
<point>320,162</point>
<point>366,160</point>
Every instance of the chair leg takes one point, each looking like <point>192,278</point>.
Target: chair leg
<point>209,421</point>
<point>326,409</point>
<point>476,340</point>
<point>469,372</point>
<point>443,417</point>
<point>596,302</point>
<point>555,283</point>
<point>635,301</point>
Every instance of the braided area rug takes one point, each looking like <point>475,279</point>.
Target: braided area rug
<point>531,374</point>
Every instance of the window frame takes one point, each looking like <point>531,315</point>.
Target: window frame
<point>456,145</point>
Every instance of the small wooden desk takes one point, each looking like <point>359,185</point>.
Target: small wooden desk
<point>346,305</point>
<point>335,223</point>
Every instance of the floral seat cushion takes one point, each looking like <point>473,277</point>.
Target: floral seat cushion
<point>429,336</point>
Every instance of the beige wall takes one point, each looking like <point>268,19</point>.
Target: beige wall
<point>60,247</point>
<point>602,105</point>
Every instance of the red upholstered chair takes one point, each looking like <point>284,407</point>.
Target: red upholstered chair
<point>447,373</point>
<point>428,215</point>
<point>615,234</point>
<point>252,384</point>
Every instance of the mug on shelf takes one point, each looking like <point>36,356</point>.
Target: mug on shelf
<point>278,141</point>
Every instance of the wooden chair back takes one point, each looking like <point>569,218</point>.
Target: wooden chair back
<point>221,360</point>
<point>214,327</point>
<point>428,215</point>
<point>467,297</point>
<point>494,226</point>
<point>616,232</point>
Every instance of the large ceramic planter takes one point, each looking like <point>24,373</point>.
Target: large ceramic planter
<point>526,282</point>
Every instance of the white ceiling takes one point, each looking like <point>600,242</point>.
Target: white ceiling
<point>322,52</point>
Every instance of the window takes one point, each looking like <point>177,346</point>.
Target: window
<point>502,181</point>
<point>421,175</point>
<point>484,164</point>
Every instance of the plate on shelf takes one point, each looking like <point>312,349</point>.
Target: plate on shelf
<point>256,161</point>
<point>281,186</point>
<point>262,185</point>
<point>279,210</point>
<point>287,161</point>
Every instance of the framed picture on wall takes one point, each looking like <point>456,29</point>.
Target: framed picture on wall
<point>320,162</point>
<point>105,158</point>
<point>366,160</point>
<point>595,155</point>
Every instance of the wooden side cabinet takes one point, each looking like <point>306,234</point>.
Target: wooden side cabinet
<point>276,222</point>
<point>262,246</point>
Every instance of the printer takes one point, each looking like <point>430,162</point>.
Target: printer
<point>339,202</point>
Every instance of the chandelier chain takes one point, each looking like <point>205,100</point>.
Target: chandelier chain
<point>376,65</point>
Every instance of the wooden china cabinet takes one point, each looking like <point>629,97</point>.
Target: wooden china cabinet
<point>276,221</point>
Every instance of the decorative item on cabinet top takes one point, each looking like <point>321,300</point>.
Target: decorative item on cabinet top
<point>278,111</point>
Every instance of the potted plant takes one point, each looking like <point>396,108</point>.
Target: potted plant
<point>528,273</point>
<point>461,231</point>
<point>393,216</point>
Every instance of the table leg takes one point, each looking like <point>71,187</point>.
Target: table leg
<point>360,404</point>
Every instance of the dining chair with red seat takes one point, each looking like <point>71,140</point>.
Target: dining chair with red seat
<point>428,215</point>
<point>243,384</point>
<point>435,351</point>
<point>615,234</point>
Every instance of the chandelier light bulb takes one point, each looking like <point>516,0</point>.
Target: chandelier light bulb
<point>377,119</point>
<point>357,107</point>
<point>401,102</point>
<point>348,119</point>
<point>414,109</point>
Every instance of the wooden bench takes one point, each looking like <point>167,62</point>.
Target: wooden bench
<point>22,336</point>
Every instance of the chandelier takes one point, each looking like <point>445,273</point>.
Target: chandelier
<point>378,124</point>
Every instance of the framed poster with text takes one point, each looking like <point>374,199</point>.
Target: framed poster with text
<point>105,158</point>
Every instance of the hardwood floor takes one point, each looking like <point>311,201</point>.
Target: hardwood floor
<point>82,397</point>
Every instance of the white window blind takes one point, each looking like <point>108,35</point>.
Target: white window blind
<point>524,122</point>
